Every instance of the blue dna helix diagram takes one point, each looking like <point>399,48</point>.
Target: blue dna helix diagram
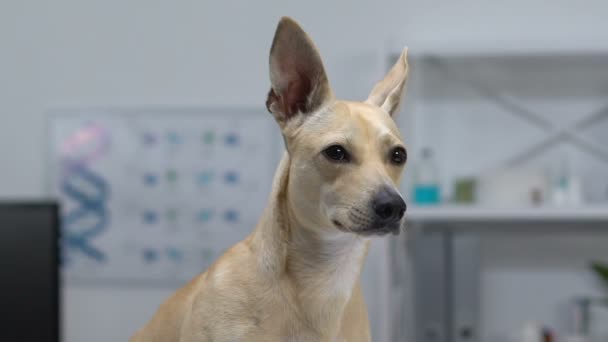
<point>88,191</point>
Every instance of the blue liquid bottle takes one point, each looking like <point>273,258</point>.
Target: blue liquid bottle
<point>426,180</point>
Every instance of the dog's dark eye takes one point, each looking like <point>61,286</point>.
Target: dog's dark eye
<point>336,153</point>
<point>398,156</point>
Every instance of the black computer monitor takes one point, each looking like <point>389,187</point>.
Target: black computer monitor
<point>29,276</point>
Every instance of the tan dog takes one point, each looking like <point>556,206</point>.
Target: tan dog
<point>296,277</point>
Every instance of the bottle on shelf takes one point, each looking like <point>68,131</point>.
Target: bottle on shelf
<point>560,184</point>
<point>566,186</point>
<point>426,180</point>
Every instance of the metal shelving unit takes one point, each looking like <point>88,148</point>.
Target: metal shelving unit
<point>569,133</point>
<point>445,253</point>
<point>442,250</point>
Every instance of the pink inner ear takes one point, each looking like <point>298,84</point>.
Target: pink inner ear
<point>296,95</point>
<point>293,99</point>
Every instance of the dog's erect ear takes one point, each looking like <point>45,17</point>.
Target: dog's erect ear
<point>299,84</point>
<point>387,93</point>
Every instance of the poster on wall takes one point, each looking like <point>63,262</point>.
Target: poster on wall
<point>155,196</point>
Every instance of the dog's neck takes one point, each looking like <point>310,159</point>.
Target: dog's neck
<point>322,268</point>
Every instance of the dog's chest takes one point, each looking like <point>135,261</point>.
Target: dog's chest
<point>332,275</point>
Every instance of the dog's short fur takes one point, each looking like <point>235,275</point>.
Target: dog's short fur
<point>296,277</point>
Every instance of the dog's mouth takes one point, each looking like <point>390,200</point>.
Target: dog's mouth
<point>394,229</point>
<point>370,230</point>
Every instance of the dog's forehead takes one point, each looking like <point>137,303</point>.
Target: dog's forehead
<point>349,121</point>
<point>362,117</point>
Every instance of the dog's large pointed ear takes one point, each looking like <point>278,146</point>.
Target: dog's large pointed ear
<point>299,84</point>
<point>387,93</point>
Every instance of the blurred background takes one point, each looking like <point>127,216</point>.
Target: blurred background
<point>124,114</point>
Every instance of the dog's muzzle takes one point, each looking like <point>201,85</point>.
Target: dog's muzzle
<point>388,208</point>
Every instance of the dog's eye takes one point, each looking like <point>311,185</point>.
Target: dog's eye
<point>336,153</point>
<point>398,156</point>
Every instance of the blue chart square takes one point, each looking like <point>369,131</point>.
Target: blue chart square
<point>149,139</point>
<point>231,177</point>
<point>174,254</point>
<point>204,177</point>
<point>231,139</point>
<point>150,217</point>
<point>150,255</point>
<point>150,179</point>
<point>174,138</point>
<point>231,216</point>
<point>205,215</point>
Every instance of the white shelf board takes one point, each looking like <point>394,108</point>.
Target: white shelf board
<point>499,51</point>
<point>472,213</point>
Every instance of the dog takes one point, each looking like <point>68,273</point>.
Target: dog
<point>296,277</point>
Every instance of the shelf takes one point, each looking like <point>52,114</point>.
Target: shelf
<point>502,53</point>
<point>466,213</point>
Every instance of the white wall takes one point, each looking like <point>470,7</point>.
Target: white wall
<point>516,25</point>
<point>142,53</point>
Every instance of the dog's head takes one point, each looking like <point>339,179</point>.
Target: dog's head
<point>346,157</point>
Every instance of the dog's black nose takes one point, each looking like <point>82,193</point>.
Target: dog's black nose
<point>388,206</point>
